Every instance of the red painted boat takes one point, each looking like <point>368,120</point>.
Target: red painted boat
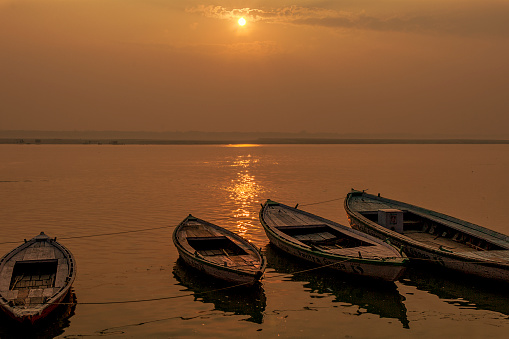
<point>34,278</point>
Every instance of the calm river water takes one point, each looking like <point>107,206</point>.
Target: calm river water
<point>79,193</point>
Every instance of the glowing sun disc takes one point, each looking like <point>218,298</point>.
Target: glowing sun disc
<point>242,21</point>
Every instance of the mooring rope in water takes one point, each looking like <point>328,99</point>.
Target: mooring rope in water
<point>111,330</point>
<point>322,202</point>
<point>117,233</point>
<point>271,278</point>
<point>150,299</point>
<point>154,228</point>
<point>204,292</point>
<point>101,234</point>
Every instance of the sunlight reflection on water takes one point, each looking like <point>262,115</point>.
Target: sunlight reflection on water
<point>243,193</point>
<point>242,145</point>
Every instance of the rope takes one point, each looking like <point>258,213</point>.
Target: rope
<point>154,228</point>
<point>115,233</point>
<point>117,329</point>
<point>276,276</point>
<point>151,299</point>
<point>100,234</point>
<point>322,202</point>
<point>194,293</point>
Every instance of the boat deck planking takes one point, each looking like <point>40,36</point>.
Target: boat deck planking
<point>502,255</point>
<point>437,241</point>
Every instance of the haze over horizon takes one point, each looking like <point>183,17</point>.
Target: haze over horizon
<point>233,136</point>
<point>396,68</point>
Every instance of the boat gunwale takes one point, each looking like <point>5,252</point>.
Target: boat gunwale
<point>392,261</point>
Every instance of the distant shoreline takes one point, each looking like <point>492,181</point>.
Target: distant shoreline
<point>261,141</point>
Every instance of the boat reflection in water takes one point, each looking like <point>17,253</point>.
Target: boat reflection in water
<point>464,291</point>
<point>51,326</point>
<point>376,297</point>
<point>239,300</point>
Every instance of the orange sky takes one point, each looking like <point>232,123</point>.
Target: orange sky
<point>426,67</point>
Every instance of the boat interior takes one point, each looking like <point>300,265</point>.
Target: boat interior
<point>218,245</point>
<point>215,247</point>
<point>439,235</point>
<point>323,236</point>
<point>32,275</point>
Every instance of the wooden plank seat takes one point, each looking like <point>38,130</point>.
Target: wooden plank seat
<point>306,227</point>
<point>212,246</point>
<point>33,274</point>
<point>321,235</point>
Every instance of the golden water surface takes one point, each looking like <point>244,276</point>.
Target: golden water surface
<point>115,207</point>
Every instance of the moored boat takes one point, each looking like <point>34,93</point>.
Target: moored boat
<point>431,236</point>
<point>325,242</point>
<point>218,252</point>
<point>34,278</point>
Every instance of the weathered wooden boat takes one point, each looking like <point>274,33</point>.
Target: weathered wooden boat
<point>328,243</point>
<point>34,278</point>
<point>218,252</point>
<point>430,236</point>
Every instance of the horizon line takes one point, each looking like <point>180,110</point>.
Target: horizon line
<point>259,141</point>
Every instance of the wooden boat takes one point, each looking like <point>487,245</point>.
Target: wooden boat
<point>218,252</point>
<point>431,236</point>
<point>328,243</point>
<point>34,278</point>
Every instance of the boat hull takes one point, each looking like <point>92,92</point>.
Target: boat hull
<point>39,315</point>
<point>219,272</point>
<point>416,251</point>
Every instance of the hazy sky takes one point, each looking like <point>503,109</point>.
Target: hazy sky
<point>347,66</point>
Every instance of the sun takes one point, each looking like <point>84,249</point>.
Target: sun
<point>242,22</point>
